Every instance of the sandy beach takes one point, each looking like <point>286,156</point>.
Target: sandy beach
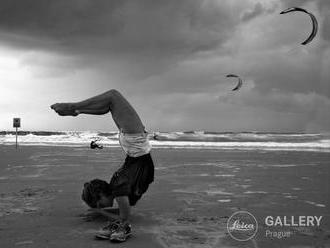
<point>194,194</point>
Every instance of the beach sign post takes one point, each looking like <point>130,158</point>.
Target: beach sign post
<point>16,124</point>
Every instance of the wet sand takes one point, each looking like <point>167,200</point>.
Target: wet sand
<point>194,194</point>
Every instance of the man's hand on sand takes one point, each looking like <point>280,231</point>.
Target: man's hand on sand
<point>65,109</point>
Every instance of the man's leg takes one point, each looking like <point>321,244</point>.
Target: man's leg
<point>118,230</point>
<point>123,230</point>
<point>124,208</point>
<point>123,114</point>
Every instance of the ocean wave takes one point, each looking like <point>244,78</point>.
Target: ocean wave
<point>189,139</point>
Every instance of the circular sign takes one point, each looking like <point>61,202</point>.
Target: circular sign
<point>242,226</point>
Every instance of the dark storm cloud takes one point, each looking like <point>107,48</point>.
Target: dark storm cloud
<point>115,26</point>
<point>59,20</point>
<point>140,38</point>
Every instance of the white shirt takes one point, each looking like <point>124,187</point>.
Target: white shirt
<point>136,144</point>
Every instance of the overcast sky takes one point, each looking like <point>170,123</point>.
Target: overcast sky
<point>170,60</point>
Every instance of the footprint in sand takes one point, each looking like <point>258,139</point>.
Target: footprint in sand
<point>316,204</point>
<point>24,201</point>
<point>190,231</point>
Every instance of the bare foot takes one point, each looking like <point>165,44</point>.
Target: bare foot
<point>65,109</point>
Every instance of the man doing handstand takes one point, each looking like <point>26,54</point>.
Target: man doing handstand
<point>132,179</point>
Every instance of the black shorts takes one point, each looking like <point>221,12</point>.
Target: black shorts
<point>132,179</point>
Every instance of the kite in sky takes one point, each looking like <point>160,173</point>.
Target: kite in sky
<point>314,22</point>
<point>240,82</point>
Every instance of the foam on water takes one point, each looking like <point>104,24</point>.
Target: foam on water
<point>224,175</point>
<point>217,192</point>
<point>179,140</point>
<point>255,192</point>
<point>224,200</point>
<point>283,165</point>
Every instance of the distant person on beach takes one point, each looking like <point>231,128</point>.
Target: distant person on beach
<point>94,145</point>
<point>132,179</point>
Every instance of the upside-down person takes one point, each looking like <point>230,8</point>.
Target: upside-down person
<point>132,179</point>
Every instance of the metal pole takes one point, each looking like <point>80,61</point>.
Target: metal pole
<point>16,137</point>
